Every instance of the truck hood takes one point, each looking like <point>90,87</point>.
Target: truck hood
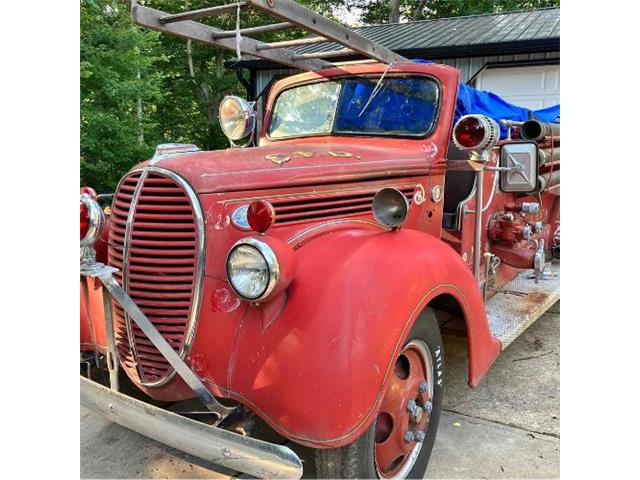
<point>298,164</point>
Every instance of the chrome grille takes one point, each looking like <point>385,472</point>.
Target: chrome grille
<point>156,241</point>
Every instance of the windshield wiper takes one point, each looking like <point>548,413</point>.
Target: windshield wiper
<point>379,86</point>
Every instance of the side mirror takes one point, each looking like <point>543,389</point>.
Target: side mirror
<point>519,167</point>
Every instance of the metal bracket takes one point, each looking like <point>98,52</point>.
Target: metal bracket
<point>113,364</point>
<point>481,158</point>
<point>541,268</point>
<point>163,346</point>
<point>90,268</point>
<point>492,262</point>
<point>517,167</point>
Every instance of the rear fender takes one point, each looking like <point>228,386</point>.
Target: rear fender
<point>316,372</point>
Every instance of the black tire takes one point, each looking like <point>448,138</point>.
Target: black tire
<point>356,460</point>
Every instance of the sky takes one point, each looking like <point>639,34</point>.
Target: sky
<point>351,16</point>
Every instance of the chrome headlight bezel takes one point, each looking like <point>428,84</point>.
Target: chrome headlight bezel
<point>271,261</point>
<point>246,119</point>
<point>390,207</point>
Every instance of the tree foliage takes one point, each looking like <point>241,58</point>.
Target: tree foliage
<point>177,84</point>
<point>118,66</point>
<point>382,11</point>
<point>139,88</point>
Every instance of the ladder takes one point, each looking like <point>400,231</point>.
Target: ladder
<point>292,15</point>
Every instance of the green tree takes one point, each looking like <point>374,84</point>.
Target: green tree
<point>382,11</point>
<point>197,77</point>
<point>140,88</point>
<point>120,81</point>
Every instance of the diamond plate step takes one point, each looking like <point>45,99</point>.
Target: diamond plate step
<point>510,314</point>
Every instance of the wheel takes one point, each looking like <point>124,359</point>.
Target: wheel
<point>398,443</point>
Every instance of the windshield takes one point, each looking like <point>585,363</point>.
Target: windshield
<point>400,106</point>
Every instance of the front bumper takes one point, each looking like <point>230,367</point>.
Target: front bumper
<point>255,457</point>
<point>249,455</point>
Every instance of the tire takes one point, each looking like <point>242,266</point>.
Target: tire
<point>358,459</point>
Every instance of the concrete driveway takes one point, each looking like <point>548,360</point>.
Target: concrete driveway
<point>508,427</point>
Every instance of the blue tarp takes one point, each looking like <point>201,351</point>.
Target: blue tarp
<point>472,100</point>
<point>405,107</point>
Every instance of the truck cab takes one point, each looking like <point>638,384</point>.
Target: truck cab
<point>296,280</point>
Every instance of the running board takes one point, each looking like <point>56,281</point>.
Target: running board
<point>520,303</point>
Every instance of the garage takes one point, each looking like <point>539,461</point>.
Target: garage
<point>513,54</point>
<point>532,87</point>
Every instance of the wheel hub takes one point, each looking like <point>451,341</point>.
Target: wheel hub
<point>404,413</point>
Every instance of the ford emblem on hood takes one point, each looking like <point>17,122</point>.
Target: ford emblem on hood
<point>239,218</point>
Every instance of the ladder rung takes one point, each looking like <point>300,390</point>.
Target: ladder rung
<point>329,54</point>
<point>315,23</point>
<point>292,43</point>
<point>150,18</point>
<point>253,30</point>
<point>202,13</point>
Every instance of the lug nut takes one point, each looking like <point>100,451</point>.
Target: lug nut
<point>538,227</point>
<point>412,405</point>
<point>420,436</point>
<point>408,437</point>
<point>428,406</point>
<point>423,387</point>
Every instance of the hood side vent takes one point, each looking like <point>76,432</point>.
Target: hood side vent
<point>305,208</point>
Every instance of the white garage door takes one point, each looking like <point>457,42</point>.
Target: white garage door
<point>531,87</point>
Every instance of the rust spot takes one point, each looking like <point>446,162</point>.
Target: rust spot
<point>523,306</point>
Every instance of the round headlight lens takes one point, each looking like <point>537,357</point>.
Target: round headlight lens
<point>248,271</point>
<point>237,118</point>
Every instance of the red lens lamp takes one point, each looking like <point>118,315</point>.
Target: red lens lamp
<point>260,215</point>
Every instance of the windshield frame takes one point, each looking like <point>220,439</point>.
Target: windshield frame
<point>374,77</point>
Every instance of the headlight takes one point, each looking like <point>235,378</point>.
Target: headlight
<point>259,269</point>
<point>237,118</point>
<point>252,269</point>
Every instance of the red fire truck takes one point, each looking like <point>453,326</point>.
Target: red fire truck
<point>295,282</point>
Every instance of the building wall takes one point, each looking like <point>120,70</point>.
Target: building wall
<point>468,66</point>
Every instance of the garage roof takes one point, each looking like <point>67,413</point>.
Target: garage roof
<point>513,32</point>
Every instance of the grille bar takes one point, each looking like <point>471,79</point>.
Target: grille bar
<point>157,243</point>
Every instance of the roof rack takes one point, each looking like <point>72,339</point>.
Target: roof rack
<point>292,15</point>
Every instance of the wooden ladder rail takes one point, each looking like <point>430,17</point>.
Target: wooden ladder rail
<point>294,15</point>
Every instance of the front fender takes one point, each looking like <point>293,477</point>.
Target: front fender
<point>317,372</point>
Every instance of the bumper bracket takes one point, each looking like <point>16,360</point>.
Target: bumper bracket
<point>255,457</point>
